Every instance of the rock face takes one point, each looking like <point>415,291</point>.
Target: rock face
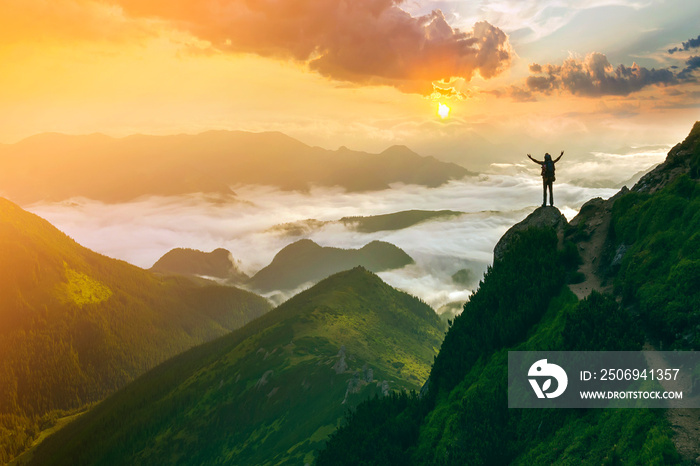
<point>542,217</point>
<point>683,158</point>
<point>340,366</point>
<point>385,388</point>
<point>263,380</point>
<point>424,389</point>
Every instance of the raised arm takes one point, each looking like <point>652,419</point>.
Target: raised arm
<point>560,156</point>
<point>536,161</point>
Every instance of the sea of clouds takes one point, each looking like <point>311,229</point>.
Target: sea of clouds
<point>141,231</point>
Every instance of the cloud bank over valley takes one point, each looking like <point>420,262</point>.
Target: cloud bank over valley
<point>246,223</point>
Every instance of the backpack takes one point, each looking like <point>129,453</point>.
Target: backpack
<point>548,170</point>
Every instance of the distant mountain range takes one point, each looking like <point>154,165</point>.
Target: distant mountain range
<point>269,393</point>
<point>305,261</point>
<point>369,223</point>
<point>296,264</point>
<point>75,326</point>
<point>56,167</point>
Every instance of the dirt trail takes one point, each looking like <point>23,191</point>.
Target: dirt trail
<point>684,422</point>
<point>686,433</point>
<point>591,250</point>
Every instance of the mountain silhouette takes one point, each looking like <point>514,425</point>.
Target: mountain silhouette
<point>305,261</point>
<point>217,264</point>
<point>54,167</point>
<point>369,223</point>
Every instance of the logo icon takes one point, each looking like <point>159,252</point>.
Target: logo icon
<point>544,369</point>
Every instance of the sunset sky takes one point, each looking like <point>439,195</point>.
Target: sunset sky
<point>518,76</point>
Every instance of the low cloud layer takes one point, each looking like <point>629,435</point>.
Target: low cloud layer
<point>142,231</point>
<point>359,41</point>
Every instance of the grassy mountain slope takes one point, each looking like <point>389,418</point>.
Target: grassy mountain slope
<point>56,167</point>
<point>523,304</point>
<point>305,261</point>
<point>183,261</point>
<point>75,325</point>
<point>268,393</point>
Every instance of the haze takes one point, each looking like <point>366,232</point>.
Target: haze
<point>519,76</point>
<point>614,83</point>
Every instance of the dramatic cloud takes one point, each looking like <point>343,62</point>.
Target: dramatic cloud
<point>143,230</point>
<point>529,20</point>
<point>455,89</point>
<point>594,76</point>
<point>690,44</point>
<point>359,41</point>
<point>692,64</point>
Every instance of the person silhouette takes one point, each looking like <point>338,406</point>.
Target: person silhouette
<point>547,176</point>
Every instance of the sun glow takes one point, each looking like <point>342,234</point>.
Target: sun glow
<point>443,110</point>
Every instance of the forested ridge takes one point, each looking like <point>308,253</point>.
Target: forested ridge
<point>268,393</point>
<point>652,260</point>
<point>76,326</point>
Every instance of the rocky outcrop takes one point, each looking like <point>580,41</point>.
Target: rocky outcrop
<point>542,217</point>
<point>424,389</point>
<point>340,366</point>
<point>355,384</point>
<point>590,228</point>
<point>368,373</point>
<point>384,386</point>
<point>359,379</point>
<point>683,158</point>
<point>263,380</point>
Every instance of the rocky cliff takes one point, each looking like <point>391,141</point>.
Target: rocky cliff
<point>542,217</point>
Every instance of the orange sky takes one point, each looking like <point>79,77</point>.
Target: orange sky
<point>358,74</point>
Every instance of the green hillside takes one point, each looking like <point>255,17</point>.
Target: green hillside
<point>652,258</point>
<point>217,264</point>
<point>75,326</point>
<point>268,393</point>
<point>305,261</point>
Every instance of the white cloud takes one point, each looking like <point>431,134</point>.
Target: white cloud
<point>143,230</point>
<point>542,17</point>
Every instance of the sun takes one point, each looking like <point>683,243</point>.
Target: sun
<point>443,110</point>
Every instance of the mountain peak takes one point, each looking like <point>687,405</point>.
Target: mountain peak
<point>302,245</point>
<point>398,149</point>
<point>349,338</point>
<point>184,261</point>
<point>542,217</point>
<point>681,159</point>
<point>54,136</point>
<point>305,261</point>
